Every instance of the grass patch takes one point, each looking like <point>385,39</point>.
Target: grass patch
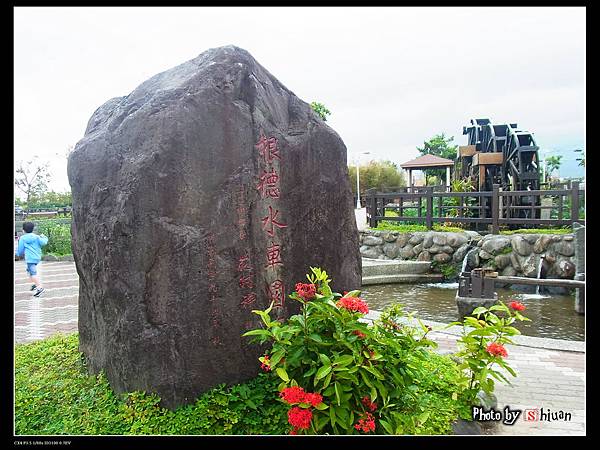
<point>406,228</point>
<point>563,230</point>
<point>54,395</point>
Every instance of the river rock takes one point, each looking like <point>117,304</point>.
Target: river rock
<point>542,243</point>
<point>501,261</point>
<point>495,244</point>
<point>424,256</point>
<point>372,240</point>
<point>442,257</point>
<point>521,246</point>
<point>566,269</point>
<point>564,248</point>
<point>439,239</point>
<point>403,239</point>
<point>530,267</point>
<point>407,252</point>
<point>473,235</point>
<point>447,249</point>
<point>390,250</point>
<point>428,240</point>
<point>515,262</point>
<point>485,255</point>
<point>434,249</point>
<point>473,259</point>
<point>456,239</point>
<point>417,249</point>
<point>205,193</point>
<point>460,253</point>
<point>509,271</point>
<point>416,238</point>
<point>531,238</point>
<point>367,251</point>
<point>390,237</point>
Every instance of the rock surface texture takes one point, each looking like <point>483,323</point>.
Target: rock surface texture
<point>205,193</point>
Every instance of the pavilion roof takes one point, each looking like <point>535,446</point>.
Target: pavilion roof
<point>427,161</point>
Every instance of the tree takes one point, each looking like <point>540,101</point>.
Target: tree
<point>49,200</point>
<point>552,163</point>
<point>321,110</point>
<point>32,178</point>
<point>439,145</point>
<point>376,174</point>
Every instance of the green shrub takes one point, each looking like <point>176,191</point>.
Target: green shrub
<point>59,236</point>
<point>344,377</point>
<point>54,395</point>
<point>481,346</point>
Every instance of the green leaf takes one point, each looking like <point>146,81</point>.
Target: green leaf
<point>257,333</point>
<point>337,392</point>
<point>374,371</point>
<point>322,372</point>
<point>479,310</point>
<point>324,359</point>
<point>386,425</point>
<point>373,394</point>
<point>327,379</point>
<point>321,406</point>
<point>343,360</point>
<point>276,357</point>
<point>423,417</point>
<point>355,293</point>
<point>282,374</point>
<point>316,337</point>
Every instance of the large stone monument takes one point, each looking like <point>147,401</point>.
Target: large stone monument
<point>205,193</point>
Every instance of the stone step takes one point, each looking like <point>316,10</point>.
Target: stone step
<point>403,278</point>
<point>374,267</point>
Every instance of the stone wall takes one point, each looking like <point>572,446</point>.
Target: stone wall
<point>511,255</point>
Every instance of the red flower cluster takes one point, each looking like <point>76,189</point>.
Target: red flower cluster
<point>296,394</point>
<point>366,400</point>
<point>299,418</point>
<point>359,333</point>
<point>517,306</point>
<point>306,291</point>
<point>266,366</point>
<point>366,424</point>
<point>496,349</point>
<point>353,304</point>
<point>313,398</point>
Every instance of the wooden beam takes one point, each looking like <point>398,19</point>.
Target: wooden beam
<point>540,281</point>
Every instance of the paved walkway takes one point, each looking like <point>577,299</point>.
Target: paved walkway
<point>551,373</point>
<point>55,310</point>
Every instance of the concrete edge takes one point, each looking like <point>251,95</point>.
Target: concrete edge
<point>520,340</point>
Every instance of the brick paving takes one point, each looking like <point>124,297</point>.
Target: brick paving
<point>54,311</point>
<point>547,380</point>
<point>550,379</point>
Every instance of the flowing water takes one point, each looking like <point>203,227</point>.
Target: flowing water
<point>552,316</point>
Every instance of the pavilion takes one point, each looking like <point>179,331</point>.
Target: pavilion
<point>428,162</point>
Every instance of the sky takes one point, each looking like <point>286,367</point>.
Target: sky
<point>392,77</point>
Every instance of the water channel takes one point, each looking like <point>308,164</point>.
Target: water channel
<point>551,316</point>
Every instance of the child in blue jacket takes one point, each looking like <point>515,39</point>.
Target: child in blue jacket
<point>31,246</point>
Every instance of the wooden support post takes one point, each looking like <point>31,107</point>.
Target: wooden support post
<point>574,202</point>
<point>429,194</point>
<point>495,211</point>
